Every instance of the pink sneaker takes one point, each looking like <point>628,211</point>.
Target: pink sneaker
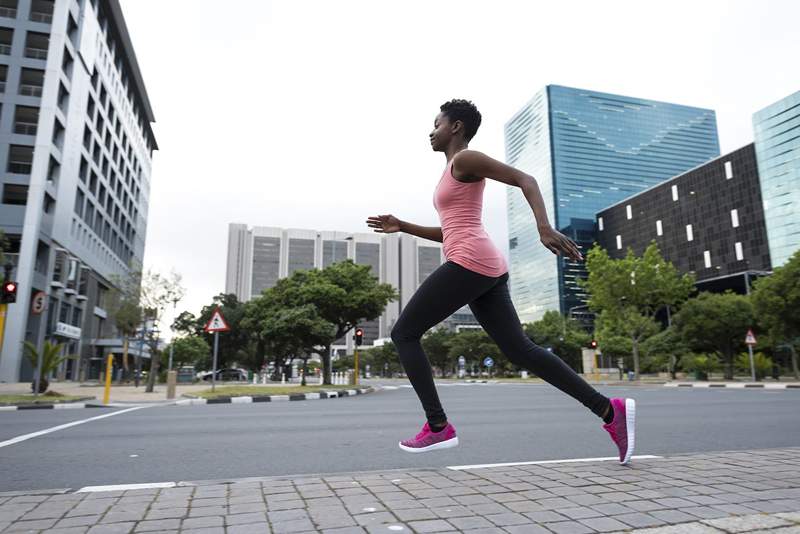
<point>427,440</point>
<point>622,428</point>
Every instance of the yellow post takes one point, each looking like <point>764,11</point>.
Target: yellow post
<point>109,372</point>
<point>356,379</point>
<point>3,311</point>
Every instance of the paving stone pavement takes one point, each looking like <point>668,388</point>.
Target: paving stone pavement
<point>725,492</point>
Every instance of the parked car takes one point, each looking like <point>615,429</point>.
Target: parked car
<point>225,375</point>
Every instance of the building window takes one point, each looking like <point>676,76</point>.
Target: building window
<point>42,11</point>
<point>31,82</point>
<point>20,159</point>
<point>512,243</point>
<point>659,230</point>
<point>619,242</point>
<point>25,120</point>
<point>674,192</point>
<point>689,236</point>
<point>6,37</point>
<point>735,218</point>
<point>600,223</point>
<point>8,9</point>
<point>739,254</point>
<point>15,194</point>
<point>707,258</point>
<point>628,212</point>
<point>728,170</point>
<point>36,45</point>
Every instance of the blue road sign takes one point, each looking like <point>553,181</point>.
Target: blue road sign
<point>488,361</point>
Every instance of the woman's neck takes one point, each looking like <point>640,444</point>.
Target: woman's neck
<point>451,151</point>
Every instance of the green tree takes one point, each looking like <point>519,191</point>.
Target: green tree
<point>776,299</point>
<point>475,344</point>
<point>436,344</point>
<point>716,322</point>
<point>344,294</point>
<point>189,350</point>
<point>233,344</point>
<point>664,350</point>
<point>612,341</point>
<point>563,335</point>
<point>384,358</point>
<point>761,363</point>
<point>631,290</point>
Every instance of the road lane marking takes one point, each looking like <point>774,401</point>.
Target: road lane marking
<point>25,437</point>
<point>542,462</point>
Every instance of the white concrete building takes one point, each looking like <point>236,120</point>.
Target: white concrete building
<point>258,257</point>
<point>76,146</point>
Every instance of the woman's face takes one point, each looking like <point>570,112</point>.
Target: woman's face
<point>441,133</point>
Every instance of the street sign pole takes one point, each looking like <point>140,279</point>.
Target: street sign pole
<point>214,370</point>
<point>750,340</point>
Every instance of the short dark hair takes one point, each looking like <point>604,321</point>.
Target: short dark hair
<point>464,111</point>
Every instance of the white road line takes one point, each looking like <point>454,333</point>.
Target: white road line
<point>125,487</point>
<point>542,462</point>
<point>25,437</point>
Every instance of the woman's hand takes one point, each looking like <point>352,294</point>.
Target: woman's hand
<point>384,224</point>
<point>558,243</point>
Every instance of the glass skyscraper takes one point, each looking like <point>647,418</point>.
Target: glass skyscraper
<point>587,151</point>
<point>777,138</point>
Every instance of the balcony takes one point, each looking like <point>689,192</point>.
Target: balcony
<point>25,120</point>
<point>6,36</point>
<point>8,9</point>
<point>31,82</point>
<point>20,159</point>
<point>41,11</point>
<point>36,45</point>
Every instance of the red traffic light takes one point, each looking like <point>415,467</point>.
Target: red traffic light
<point>359,332</point>
<point>594,344</point>
<point>9,293</point>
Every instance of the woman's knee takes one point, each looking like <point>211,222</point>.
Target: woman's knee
<point>400,334</point>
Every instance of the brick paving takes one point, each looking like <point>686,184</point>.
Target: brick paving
<point>725,492</point>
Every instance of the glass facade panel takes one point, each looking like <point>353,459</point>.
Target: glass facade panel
<point>777,139</point>
<point>587,151</point>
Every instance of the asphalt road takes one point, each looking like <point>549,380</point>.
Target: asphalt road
<point>496,423</point>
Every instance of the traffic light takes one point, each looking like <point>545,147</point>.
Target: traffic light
<point>9,293</point>
<point>359,336</point>
<point>593,344</point>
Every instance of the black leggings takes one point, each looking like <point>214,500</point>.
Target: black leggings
<point>446,290</point>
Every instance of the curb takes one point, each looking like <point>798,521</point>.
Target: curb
<point>277,398</point>
<point>732,385</point>
<point>69,405</point>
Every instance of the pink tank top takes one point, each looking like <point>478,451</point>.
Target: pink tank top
<point>466,242</point>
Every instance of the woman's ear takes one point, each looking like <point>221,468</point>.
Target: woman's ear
<point>456,127</point>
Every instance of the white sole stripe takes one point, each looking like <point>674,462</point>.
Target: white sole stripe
<point>545,462</point>
<point>125,487</point>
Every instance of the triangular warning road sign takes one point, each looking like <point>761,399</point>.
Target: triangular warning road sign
<point>750,339</point>
<point>217,322</point>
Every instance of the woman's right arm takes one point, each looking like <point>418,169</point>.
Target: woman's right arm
<point>388,224</point>
<point>434,233</point>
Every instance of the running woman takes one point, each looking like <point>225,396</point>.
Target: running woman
<point>476,273</point>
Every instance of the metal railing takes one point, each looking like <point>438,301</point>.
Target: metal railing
<point>30,90</point>
<point>19,167</point>
<point>8,12</point>
<point>5,49</point>
<point>25,128</point>
<point>38,16</point>
<point>35,53</point>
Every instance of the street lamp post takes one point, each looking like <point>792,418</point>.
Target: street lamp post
<point>172,341</point>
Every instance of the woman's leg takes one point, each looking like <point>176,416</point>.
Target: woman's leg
<point>446,290</point>
<point>495,311</point>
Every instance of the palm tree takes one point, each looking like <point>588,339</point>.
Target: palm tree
<point>51,359</point>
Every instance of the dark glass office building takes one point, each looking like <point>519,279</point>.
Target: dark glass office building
<point>587,151</point>
<point>709,221</point>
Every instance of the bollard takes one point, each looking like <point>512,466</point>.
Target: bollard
<point>283,378</point>
<point>172,379</point>
<point>109,372</point>
<point>524,374</point>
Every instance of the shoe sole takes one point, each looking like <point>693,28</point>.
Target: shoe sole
<point>450,443</point>
<point>630,428</point>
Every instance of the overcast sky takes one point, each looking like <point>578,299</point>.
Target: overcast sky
<point>316,114</point>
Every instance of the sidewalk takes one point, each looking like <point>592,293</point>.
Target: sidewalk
<point>742,491</point>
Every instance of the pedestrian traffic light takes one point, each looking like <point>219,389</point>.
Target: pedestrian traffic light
<point>593,344</point>
<point>359,336</point>
<point>9,293</point>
